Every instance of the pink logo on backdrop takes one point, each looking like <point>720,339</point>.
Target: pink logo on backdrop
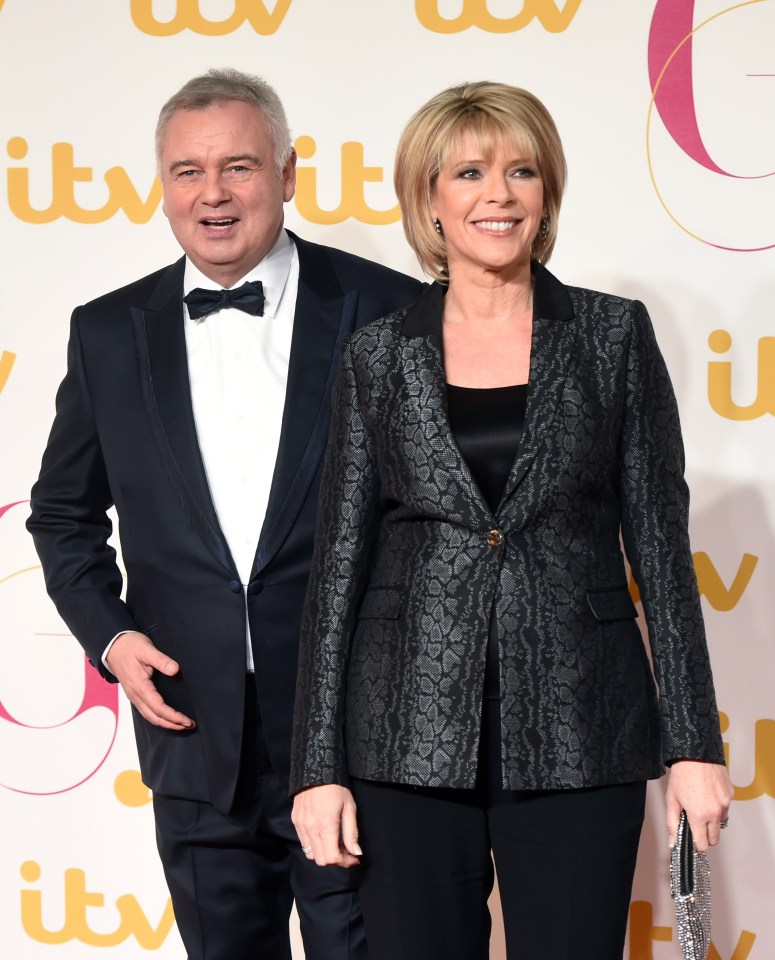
<point>671,74</point>
<point>96,693</point>
<point>50,758</point>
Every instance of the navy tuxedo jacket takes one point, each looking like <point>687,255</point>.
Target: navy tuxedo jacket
<point>410,560</point>
<point>124,435</point>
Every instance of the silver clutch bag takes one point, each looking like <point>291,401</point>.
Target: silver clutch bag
<point>690,890</point>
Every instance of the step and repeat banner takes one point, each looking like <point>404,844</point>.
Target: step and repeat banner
<point>667,112</point>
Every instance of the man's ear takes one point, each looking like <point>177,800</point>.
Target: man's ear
<point>289,177</point>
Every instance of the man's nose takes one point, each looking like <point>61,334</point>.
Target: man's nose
<point>214,189</point>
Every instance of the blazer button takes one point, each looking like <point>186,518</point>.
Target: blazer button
<point>235,586</point>
<point>256,587</point>
<point>495,538</point>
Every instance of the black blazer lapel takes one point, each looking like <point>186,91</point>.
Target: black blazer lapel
<point>161,351</point>
<point>551,349</point>
<point>423,360</point>
<point>325,315</point>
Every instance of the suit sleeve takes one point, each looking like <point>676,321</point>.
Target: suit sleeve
<point>347,527</point>
<point>655,513</point>
<point>69,521</point>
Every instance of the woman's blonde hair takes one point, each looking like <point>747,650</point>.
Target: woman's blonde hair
<point>491,112</point>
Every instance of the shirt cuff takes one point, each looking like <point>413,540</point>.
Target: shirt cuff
<point>107,650</point>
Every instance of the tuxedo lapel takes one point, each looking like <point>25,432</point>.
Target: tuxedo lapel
<point>554,335</point>
<point>161,350</point>
<point>325,315</point>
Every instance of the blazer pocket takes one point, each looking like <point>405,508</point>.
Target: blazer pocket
<point>615,604</point>
<point>381,603</point>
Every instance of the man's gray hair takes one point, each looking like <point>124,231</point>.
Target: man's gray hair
<point>223,86</point>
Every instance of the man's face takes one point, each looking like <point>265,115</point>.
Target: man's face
<point>222,193</point>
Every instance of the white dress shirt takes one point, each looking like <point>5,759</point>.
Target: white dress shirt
<point>238,370</point>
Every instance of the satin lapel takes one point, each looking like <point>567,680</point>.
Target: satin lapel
<point>324,316</point>
<point>423,361</point>
<point>161,351</point>
<point>554,335</point>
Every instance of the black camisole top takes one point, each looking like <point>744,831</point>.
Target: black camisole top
<point>487,424</point>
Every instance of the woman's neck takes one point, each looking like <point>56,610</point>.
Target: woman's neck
<point>486,298</point>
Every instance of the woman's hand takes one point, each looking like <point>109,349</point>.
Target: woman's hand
<point>705,792</point>
<point>324,818</point>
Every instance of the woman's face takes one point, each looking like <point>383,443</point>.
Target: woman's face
<point>490,209</point>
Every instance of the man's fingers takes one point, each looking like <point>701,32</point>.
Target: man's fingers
<point>170,719</point>
<point>152,707</point>
<point>133,658</point>
<point>157,660</point>
<point>133,652</point>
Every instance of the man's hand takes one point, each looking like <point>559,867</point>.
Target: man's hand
<point>132,660</point>
<point>324,818</point>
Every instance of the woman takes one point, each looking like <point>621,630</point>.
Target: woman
<point>471,673</point>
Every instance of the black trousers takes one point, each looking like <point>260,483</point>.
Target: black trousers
<point>565,862</point>
<point>233,879</point>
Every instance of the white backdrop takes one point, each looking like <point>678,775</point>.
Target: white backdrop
<point>667,112</point>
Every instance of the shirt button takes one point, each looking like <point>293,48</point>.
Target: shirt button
<point>235,586</point>
<point>495,538</point>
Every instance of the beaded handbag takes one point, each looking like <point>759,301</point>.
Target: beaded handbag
<point>690,889</point>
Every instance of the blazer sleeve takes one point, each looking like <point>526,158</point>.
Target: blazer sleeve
<point>347,527</point>
<point>655,509</point>
<point>69,521</point>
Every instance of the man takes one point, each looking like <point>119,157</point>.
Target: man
<point>202,415</point>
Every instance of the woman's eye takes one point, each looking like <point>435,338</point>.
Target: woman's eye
<point>524,172</point>
<point>469,173</point>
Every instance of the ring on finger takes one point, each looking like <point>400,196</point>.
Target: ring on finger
<point>307,851</point>
<point>724,824</point>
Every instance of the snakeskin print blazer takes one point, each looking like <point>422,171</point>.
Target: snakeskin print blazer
<point>409,561</point>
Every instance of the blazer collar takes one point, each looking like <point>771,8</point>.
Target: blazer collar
<point>551,301</point>
<point>168,291</point>
<point>325,315</point>
<point>551,351</point>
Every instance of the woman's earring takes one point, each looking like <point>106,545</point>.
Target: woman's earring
<point>545,228</point>
<point>437,225</point>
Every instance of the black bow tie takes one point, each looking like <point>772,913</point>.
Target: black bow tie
<point>249,297</point>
